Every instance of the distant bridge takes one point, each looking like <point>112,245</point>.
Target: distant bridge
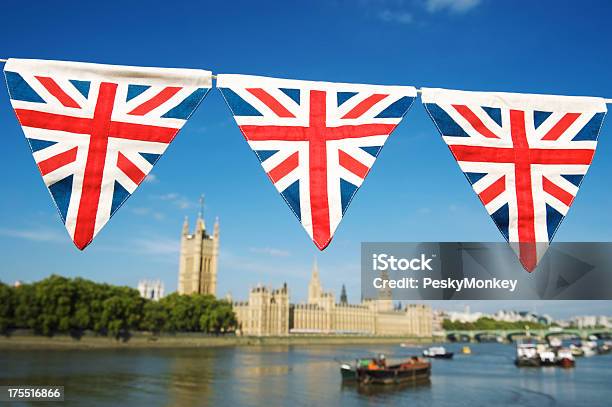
<point>512,335</point>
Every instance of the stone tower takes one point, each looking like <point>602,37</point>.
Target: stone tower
<point>269,312</point>
<point>385,295</point>
<point>315,290</point>
<point>199,257</point>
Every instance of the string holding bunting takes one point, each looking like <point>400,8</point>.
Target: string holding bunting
<point>317,141</point>
<point>96,131</point>
<point>524,155</point>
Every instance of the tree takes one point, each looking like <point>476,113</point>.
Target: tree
<point>26,307</point>
<point>220,318</point>
<point>62,305</point>
<point>154,317</point>
<point>55,296</point>
<point>487,323</point>
<point>120,314</point>
<point>7,307</point>
<point>180,313</point>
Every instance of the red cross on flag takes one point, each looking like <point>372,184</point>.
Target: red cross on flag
<point>524,155</point>
<point>96,131</point>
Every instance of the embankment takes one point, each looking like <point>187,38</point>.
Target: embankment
<point>26,340</point>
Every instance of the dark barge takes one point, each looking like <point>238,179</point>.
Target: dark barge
<point>377,371</point>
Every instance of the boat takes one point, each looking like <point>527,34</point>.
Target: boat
<point>466,350</point>
<point>437,352</point>
<point>589,348</point>
<point>576,350</point>
<point>604,348</point>
<point>555,342</point>
<point>527,355</point>
<point>584,348</point>
<point>547,357</point>
<point>564,358</point>
<point>588,351</point>
<point>378,371</point>
<point>533,354</point>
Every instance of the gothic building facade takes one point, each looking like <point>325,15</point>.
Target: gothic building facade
<point>268,312</point>
<point>198,259</point>
<point>151,289</point>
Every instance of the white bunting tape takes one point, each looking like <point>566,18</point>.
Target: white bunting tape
<point>608,101</point>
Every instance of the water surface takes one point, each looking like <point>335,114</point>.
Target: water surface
<point>299,376</point>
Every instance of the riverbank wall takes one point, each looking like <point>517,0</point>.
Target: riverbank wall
<point>28,340</point>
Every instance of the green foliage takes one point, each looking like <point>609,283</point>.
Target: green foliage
<point>26,309</point>
<point>198,313</point>
<point>486,323</point>
<point>154,317</point>
<point>121,313</point>
<point>7,307</point>
<point>62,305</point>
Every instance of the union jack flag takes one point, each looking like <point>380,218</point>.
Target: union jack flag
<point>96,131</point>
<point>524,155</point>
<point>316,140</point>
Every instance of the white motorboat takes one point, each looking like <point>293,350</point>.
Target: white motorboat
<point>438,352</point>
<point>564,358</point>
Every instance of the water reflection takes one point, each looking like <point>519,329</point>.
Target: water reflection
<point>305,375</point>
<point>190,383</point>
<point>386,390</point>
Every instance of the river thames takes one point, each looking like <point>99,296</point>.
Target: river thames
<point>299,376</point>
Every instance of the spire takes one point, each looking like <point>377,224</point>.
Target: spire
<point>216,228</point>
<point>201,213</point>
<point>200,224</point>
<point>315,269</point>
<point>314,286</point>
<point>186,226</point>
<point>343,297</point>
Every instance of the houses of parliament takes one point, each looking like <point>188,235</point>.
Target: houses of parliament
<point>269,312</point>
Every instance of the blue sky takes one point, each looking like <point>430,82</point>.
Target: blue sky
<point>415,191</point>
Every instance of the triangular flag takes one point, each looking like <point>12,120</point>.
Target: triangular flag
<point>524,155</point>
<point>97,130</point>
<point>316,140</point>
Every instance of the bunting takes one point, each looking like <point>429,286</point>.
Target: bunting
<point>317,141</point>
<point>524,155</point>
<point>96,131</point>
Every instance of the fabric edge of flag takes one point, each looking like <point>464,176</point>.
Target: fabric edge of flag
<point>184,76</point>
<point>229,80</point>
<point>583,177</point>
<point>546,102</point>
